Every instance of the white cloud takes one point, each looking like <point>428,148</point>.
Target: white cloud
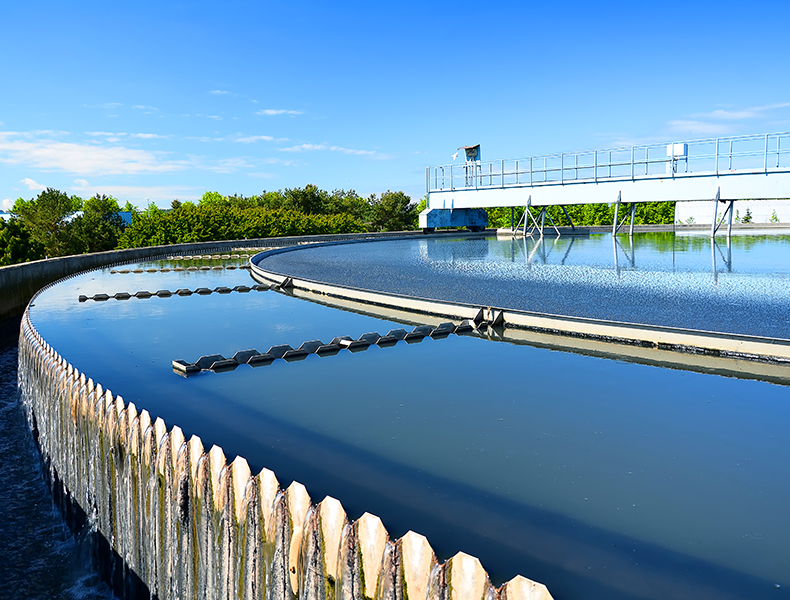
<point>7,204</point>
<point>144,108</point>
<point>110,105</point>
<point>138,195</point>
<point>230,165</point>
<point>215,117</point>
<point>695,127</point>
<point>272,112</point>
<point>33,185</point>
<point>115,137</point>
<point>349,151</point>
<point>263,175</point>
<point>219,92</point>
<point>249,139</point>
<point>742,114</point>
<point>724,121</point>
<point>80,158</point>
<point>302,147</point>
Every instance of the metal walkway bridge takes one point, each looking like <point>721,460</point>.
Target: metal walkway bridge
<point>717,170</point>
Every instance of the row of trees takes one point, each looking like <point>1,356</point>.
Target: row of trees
<point>56,224</point>
<point>647,213</point>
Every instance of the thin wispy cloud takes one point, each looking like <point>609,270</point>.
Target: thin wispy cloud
<point>342,150</point>
<point>80,158</point>
<point>249,139</point>
<point>116,136</point>
<point>742,114</point>
<point>725,121</point>
<point>697,127</point>
<point>273,112</point>
<point>137,194</point>
<point>230,165</point>
<point>144,108</point>
<point>219,92</point>
<point>33,185</point>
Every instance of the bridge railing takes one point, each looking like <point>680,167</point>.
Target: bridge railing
<point>762,153</point>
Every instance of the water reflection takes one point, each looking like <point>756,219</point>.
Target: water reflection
<point>540,249</point>
<point>654,278</point>
<point>603,478</point>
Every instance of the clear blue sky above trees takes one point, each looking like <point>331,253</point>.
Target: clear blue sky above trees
<point>163,100</point>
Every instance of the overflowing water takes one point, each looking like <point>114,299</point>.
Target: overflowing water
<point>39,556</point>
<point>601,478</point>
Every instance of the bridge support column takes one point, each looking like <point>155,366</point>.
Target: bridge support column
<point>728,212</point>
<point>567,216</point>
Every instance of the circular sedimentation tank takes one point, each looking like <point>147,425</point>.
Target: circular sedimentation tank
<point>603,470</point>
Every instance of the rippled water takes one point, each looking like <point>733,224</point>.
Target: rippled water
<point>661,279</point>
<point>39,557</point>
<point>601,478</point>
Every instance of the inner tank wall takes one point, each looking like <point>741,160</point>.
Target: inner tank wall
<point>176,520</point>
<point>18,283</point>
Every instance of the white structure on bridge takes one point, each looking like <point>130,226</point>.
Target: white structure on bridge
<point>717,170</point>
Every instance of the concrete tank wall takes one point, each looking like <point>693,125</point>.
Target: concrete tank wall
<point>187,524</point>
<point>175,520</point>
<point>19,282</point>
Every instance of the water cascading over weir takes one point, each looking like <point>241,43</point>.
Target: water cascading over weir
<point>175,520</point>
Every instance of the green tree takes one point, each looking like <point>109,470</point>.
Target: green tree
<point>98,227</point>
<point>394,211</point>
<point>309,200</point>
<point>199,223</point>
<point>46,217</point>
<point>16,245</point>
<point>341,202</point>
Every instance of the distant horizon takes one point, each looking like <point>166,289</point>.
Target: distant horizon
<point>153,102</point>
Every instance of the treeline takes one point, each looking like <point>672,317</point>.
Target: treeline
<point>297,211</point>
<point>56,224</point>
<point>204,223</point>
<point>647,213</point>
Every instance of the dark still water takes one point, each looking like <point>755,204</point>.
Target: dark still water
<point>603,479</point>
<point>39,557</point>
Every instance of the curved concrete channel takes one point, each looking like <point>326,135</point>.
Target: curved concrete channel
<point>176,520</point>
<point>517,325</point>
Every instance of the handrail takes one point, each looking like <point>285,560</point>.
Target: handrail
<point>757,153</point>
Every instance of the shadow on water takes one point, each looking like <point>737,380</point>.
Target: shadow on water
<point>575,560</point>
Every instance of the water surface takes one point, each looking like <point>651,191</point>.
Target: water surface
<point>601,478</point>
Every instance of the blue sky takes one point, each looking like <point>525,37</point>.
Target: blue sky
<point>151,101</point>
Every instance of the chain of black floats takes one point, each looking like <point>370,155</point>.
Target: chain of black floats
<point>218,363</point>
<point>201,291</point>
